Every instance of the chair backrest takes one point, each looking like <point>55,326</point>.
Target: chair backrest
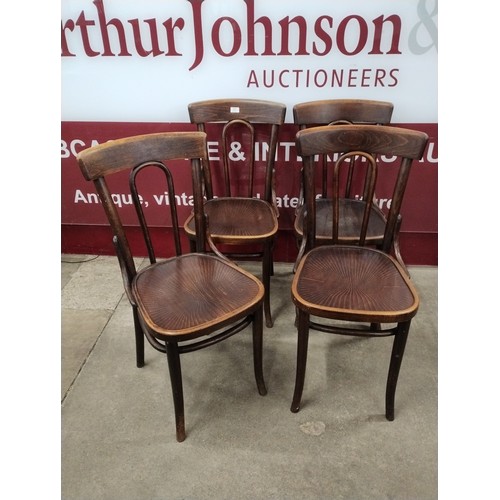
<point>137,155</point>
<point>246,131</point>
<point>342,143</point>
<point>338,112</point>
<point>346,111</point>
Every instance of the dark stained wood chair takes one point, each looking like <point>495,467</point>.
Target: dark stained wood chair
<point>355,289</point>
<point>186,302</point>
<point>336,112</point>
<point>239,179</point>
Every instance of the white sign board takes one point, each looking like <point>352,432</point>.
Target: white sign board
<point>130,61</point>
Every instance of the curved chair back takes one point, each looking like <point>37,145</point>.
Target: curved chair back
<point>359,141</point>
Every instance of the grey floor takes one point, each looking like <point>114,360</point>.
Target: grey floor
<point>118,433</point>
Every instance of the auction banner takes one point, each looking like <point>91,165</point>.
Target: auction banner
<point>132,67</point>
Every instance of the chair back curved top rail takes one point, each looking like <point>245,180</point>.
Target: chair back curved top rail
<point>354,111</point>
<point>187,301</point>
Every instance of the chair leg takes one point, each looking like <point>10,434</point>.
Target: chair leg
<point>271,263</point>
<point>174,367</point>
<point>397,249</point>
<point>302,342</point>
<point>139,339</point>
<point>302,249</point>
<point>398,350</point>
<point>257,327</point>
<point>267,266</point>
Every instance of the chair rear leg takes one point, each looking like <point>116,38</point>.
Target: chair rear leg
<point>257,327</point>
<point>397,248</point>
<point>174,367</point>
<point>302,343</point>
<point>271,263</point>
<point>139,339</point>
<point>267,266</point>
<point>398,349</point>
<point>301,251</point>
<point>192,246</point>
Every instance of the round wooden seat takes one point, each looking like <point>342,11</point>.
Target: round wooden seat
<point>186,296</point>
<point>236,219</point>
<point>363,284</point>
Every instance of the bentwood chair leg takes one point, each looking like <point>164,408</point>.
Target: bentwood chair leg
<point>257,327</point>
<point>139,340</point>
<point>271,263</point>
<point>266,278</point>
<point>174,367</point>
<point>302,342</point>
<point>396,246</point>
<point>300,254</point>
<point>398,349</point>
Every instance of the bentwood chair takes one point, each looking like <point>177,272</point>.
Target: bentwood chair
<point>186,302</point>
<point>355,289</point>
<point>239,179</point>
<point>336,112</point>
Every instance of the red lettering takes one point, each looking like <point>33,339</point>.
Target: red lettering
<point>268,32</point>
<point>379,77</point>
<point>281,78</point>
<point>323,36</point>
<point>351,80</point>
<point>82,23</point>
<point>236,36</point>
<point>155,49</point>
<point>362,38</point>
<point>169,27</point>
<point>285,36</point>
<point>392,74</point>
<point>198,32</point>
<point>379,30</point>
<point>104,24</point>
<point>365,77</point>
<point>64,43</point>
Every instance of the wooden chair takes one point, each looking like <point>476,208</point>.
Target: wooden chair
<point>239,179</point>
<point>354,289</point>
<point>336,112</point>
<point>186,302</point>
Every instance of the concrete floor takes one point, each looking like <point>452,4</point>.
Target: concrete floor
<point>118,432</point>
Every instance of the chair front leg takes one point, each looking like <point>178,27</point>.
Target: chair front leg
<point>257,328</point>
<point>398,349</point>
<point>302,343</point>
<point>174,367</point>
<point>139,339</point>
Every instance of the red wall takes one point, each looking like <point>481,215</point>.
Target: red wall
<point>84,228</point>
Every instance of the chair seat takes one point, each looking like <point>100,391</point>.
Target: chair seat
<point>188,296</point>
<point>237,219</point>
<point>350,219</point>
<point>354,284</point>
